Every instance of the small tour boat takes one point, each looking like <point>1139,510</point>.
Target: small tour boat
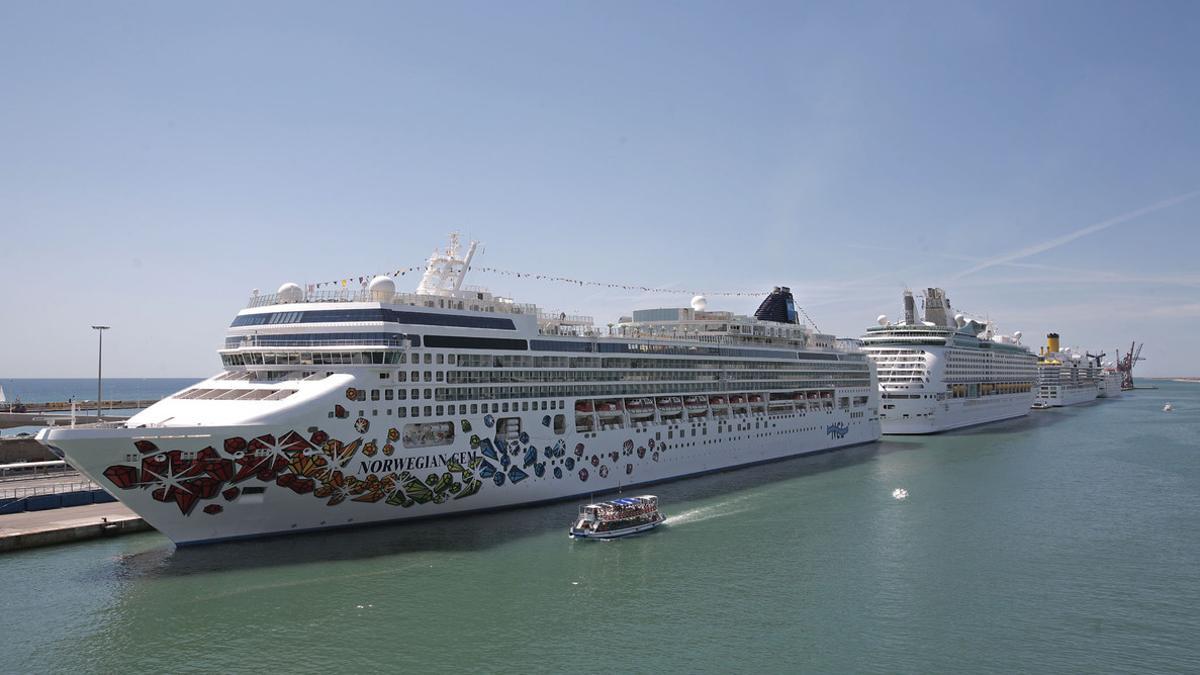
<point>1040,405</point>
<point>617,518</point>
<point>1168,407</point>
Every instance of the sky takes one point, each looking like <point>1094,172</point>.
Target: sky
<point>161,160</point>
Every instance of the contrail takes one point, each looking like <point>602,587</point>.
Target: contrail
<point>1072,236</point>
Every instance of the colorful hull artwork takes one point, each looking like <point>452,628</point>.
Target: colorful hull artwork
<point>199,484</point>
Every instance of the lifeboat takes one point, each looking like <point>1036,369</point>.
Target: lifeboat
<point>670,405</point>
<point>639,407</point>
<point>737,399</point>
<point>717,401</point>
<point>608,407</point>
<point>756,398</point>
<point>584,406</point>
<point>798,396</point>
<point>696,403</point>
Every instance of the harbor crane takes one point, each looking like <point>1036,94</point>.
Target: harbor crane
<point>1125,365</point>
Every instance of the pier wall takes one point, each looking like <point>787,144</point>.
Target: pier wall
<point>29,530</point>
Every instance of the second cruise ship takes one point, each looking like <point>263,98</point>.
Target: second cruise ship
<point>362,406</point>
<point>947,371</point>
<point>1065,377</point>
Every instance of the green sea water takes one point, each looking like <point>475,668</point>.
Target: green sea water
<point>1067,541</point>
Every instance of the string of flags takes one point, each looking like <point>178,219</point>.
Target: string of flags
<point>361,282</point>
<point>606,284</point>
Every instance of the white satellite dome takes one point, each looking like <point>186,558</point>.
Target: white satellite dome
<point>960,320</point>
<point>382,289</point>
<point>699,303</point>
<point>290,292</point>
<point>1017,335</point>
<point>881,319</point>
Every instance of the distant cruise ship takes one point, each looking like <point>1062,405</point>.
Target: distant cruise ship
<point>355,407</point>
<point>947,371</point>
<point>1065,377</point>
<point>1109,384</point>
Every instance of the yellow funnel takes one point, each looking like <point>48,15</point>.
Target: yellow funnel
<point>1052,342</point>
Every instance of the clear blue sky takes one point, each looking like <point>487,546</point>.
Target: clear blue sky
<point>161,159</point>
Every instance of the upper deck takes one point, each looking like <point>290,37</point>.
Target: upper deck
<point>940,328</point>
<point>444,313</point>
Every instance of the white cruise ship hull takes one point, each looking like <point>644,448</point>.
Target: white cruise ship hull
<point>204,484</point>
<point>1109,385</point>
<point>1061,396</point>
<point>931,416</point>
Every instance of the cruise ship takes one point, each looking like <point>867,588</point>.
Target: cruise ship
<point>1109,383</point>
<point>947,371</point>
<point>1064,376</point>
<point>367,405</point>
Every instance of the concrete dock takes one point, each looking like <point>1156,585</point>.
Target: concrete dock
<point>61,526</point>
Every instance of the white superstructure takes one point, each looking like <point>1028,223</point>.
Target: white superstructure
<point>363,406</point>
<point>1109,384</point>
<point>1064,376</point>
<point>946,371</point>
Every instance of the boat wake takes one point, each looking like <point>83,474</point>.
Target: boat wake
<point>703,513</point>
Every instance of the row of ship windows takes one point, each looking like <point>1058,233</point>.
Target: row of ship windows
<point>469,342</point>
<point>375,314</point>
<point>301,358</point>
<point>442,433</point>
<point>523,361</point>
<point>481,393</point>
<point>537,376</point>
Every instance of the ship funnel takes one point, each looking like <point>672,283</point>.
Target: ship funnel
<point>779,307</point>
<point>910,308</point>
<point>937,308</point>
<point>1052,342</point>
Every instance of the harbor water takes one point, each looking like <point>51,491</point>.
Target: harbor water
<point>1066,541</point>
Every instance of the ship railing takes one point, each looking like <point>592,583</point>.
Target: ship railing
<point>54,489</point>
<point>708,338</point>
<point>494,303</point>
<point>19,471</point>
<point>549,316</point>
<point>116,424</point>
<point>256,342</point>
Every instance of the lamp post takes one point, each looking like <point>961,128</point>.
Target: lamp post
<point>99,369</point>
